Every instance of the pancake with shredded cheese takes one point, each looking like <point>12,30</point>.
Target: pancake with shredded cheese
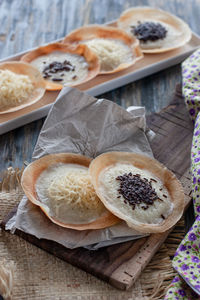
<point>115,49</point>
<point>110,52</point>
<point>14,88</point>
<point>69,194</point>
<point>61,186</point>
<point>21,85</point>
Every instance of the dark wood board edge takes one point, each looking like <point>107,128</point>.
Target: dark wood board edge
<point>136,260</point>
<point>71,255</point>
<point>139,262</point>
<point>152,242</point>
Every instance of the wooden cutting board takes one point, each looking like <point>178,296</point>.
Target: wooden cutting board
<point>121,264</point>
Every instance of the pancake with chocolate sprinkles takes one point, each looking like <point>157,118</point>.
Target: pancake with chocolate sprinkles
<point>157,30</point>
<point>149,31</point>
<point>138,189</point>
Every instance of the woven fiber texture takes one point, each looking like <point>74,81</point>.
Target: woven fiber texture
<point>39,275</point>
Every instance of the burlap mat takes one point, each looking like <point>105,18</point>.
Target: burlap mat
<point>39,275</point>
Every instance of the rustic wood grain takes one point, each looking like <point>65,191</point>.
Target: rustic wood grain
<point>28,23</point>
<point>121,264</point>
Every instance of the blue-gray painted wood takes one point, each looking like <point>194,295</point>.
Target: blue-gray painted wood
<point>28,23</point>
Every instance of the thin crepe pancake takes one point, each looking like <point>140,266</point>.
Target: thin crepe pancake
<point>178,34</point>
<point>36,80</point>
<point>35,169</point>
<point>119,206</point>
<point>80,50</point>
<point>91,32</point>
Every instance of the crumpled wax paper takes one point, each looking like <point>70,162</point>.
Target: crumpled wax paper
<point>82,124</point>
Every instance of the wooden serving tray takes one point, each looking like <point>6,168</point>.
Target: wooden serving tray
<point>151,63</point>
<point>121,264</point>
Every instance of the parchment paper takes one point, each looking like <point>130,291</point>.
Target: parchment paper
<point>80,123</point>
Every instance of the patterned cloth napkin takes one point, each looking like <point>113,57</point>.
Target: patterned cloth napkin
<point>186,260</point>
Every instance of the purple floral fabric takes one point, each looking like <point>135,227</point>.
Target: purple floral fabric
<point>195,166</point>
<point>187,257</point>
<point>179,290</point>
<point>186,260</point>
<point>191,83</point>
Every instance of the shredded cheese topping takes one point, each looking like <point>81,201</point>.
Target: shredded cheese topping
<point>110,52</point>
<point>14,88</point>
<point>76,190</point>
<point>67,194</point>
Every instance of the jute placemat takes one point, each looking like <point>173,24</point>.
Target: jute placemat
<point>39,275</point>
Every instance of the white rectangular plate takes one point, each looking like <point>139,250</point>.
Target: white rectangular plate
<point>151,63</point>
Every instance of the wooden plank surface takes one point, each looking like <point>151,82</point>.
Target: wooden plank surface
<point>25,24</point>
<point>121,264</point>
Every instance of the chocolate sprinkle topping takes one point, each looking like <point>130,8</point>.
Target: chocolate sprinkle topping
<point>57,79</point>
<point>144,207</point>
<point>136,190</point>
<point>160,199</point>
<point>56,67</point>
<point>149,31</point>
<point>152,179</point>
